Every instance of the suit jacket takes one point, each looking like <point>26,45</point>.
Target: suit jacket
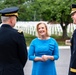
<point>13,51</point>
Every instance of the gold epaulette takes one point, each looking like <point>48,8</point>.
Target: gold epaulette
<point>20,31</point>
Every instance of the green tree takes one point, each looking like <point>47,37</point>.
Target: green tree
<point>18,3</point>
<point>47,10</point>
<point>54,10</point>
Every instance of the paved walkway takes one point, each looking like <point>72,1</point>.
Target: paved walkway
<point>62,65</point>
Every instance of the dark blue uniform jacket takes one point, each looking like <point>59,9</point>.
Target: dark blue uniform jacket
<point>72,68</point>
<point>13,51</point>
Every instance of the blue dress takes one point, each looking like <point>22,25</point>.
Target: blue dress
<point>40,47</point>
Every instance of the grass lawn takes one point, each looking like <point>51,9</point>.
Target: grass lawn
<point>29,38</point>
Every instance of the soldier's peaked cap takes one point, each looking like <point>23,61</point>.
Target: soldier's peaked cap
<point>73,8</point>
<point>11,11</point>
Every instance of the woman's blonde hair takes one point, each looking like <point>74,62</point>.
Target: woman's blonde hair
<point>47,34</point>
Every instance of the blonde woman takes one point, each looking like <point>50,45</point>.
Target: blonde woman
<point>43,51</point>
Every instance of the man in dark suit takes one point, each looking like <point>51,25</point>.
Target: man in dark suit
<point>13,49</point>
<point>72,67</point>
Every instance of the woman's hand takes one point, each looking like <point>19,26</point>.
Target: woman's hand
<point>46,57</point>
<point>39,59</point>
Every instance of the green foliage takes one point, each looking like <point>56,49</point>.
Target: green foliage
<point>22,12</point>
<point>40,9</point>
<point>36,10</point>
<point>13,2</point>
<point>28,38</point>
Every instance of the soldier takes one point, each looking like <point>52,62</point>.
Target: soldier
<point>72,67</point>
<point>13,49</point>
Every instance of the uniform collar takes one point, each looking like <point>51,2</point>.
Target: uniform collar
<point>6,25</point>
